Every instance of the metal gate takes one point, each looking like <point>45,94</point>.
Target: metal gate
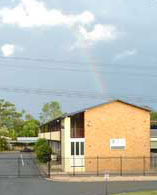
<point>22,165</point>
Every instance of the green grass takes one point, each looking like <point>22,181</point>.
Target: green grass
<point>140,193</point>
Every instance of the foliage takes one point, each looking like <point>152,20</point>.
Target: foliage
<point>9,117</point>
<point>12,134</point>
<point>43,150</point>
<point>4,132</point>
<point>30,128</point>
<point>3,144</point>
<point>50,111</point>
<point>40,142</point>
<point>153,117</point>
<point>13,124</point>
<point>29,117</point>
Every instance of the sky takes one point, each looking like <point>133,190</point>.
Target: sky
<point>107,48</point>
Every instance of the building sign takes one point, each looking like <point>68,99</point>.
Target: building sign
<point>117,143</point>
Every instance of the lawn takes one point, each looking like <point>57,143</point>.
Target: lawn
<point>140,193</point>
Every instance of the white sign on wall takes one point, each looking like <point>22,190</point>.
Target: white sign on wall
<point>117,143</point>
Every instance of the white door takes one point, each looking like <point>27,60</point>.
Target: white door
<point>77,152</point>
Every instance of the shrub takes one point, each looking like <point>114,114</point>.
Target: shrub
<point>3,144</point>
<point>43,150</point>
<point>40,142</point>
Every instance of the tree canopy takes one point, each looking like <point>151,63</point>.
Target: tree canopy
<point>30,128</point>
<point>153,117</point>
<point>14,123</point>
<point>21,124</point>
<point>50,111</point>
<point>9,117</point>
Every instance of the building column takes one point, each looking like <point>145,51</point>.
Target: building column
<point>66,145</point>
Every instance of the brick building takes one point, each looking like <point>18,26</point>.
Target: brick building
<point>109,131</point>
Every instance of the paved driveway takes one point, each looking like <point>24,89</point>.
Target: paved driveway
<point>11,164</point>
<point>18,164</point>
<point>38,186</point>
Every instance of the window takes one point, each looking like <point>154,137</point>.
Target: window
<point>77,148</point>
<point>82,148</point>
<point>77,126</point>
<point>72,148</point>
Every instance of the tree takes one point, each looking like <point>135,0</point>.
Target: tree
<point>14,123</point>
<point>30,128</point>
<point>29,117</point>
<point>50,111</point>
<point>3,144</point>
<point>9,117</point>
<point>153,117</point>
<point>13,134</point>
<point>4,132</point>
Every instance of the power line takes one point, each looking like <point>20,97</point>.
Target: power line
<point>79,70</point>
<point>78,94</point>
<point>56,61</point>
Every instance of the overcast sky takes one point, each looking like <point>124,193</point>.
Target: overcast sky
<point>112,46</point>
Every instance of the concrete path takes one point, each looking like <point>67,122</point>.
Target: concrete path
<point>101,179</point>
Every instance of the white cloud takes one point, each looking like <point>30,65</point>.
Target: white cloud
<point>34,13</point>
<point>126,53</point>
<point>8,49</point>
<point>99,32</point>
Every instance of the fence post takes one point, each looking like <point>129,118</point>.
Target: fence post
<point>151,161</point>
<point>121,166</point>
<point>97,165</point>
<point>144,166</point>
<point>73,165</point>
<point>49,168</point>
<point>18,169</point>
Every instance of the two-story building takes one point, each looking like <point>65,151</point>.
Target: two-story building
<point>112,129</point>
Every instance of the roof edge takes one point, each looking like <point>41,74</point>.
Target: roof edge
<point>86,109</point>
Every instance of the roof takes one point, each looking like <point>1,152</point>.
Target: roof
<point>85,109</point>
<point>27,139</point>
<point>109,102</point>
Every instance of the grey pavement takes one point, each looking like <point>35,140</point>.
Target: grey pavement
<point>36,186</point>
<point>39,186</point>
<point>18,164</point>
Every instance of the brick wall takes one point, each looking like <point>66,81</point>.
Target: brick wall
<point>117,120</point>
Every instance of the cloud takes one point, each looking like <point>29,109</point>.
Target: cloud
<point>126,53</point>
<point>8,50</point>
<point>99,32</point>
<point>33,13</point>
